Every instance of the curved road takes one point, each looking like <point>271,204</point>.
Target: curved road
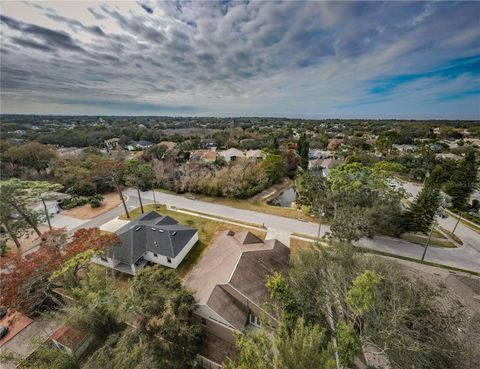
<point>465,257</point>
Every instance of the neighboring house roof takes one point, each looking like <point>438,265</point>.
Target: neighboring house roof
<point>206,155</point>
<point>324,163</point>
<point>232,152</point>
<point>236,264</point>
<point>448,156</point>
<point>141,143</point>
<point>151,232</point>
<point>68,336</point>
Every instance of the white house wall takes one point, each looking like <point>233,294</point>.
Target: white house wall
<point>175,262</point>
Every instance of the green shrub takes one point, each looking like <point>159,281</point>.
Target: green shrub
<point>95,201</point>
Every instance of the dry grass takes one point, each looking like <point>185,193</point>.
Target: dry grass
<point>207,230</point>
<point>422,239</point>
<point>84,212</point>
<point>297,245</point>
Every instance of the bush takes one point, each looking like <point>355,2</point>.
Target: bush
<point>95,201</point>
<point>72,202</point>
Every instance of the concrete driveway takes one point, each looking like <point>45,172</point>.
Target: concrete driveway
<point>60,221</point>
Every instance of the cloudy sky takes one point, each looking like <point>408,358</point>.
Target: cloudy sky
<point>295,59</point>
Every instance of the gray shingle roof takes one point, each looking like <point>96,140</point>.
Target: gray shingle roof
<point>151,232</point>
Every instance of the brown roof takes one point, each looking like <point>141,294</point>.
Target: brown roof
<point>236,266</point>
<point>68,336</point>
<point>207,155</point>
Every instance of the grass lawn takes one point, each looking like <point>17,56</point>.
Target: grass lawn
<point>471,225</point>
<point>207,230</point>
<point>422,239</point>
<point>297,245</point>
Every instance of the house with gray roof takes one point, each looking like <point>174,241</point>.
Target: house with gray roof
<point>150,238</point>
<point>229,285</point>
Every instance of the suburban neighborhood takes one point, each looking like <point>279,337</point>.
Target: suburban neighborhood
<point>239,185</point>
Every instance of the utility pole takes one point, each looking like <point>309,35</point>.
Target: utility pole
<point>154,200</point>
<point>46,213</point>
<point>140,199</point>
<point>456,224</point>
<point>428,241</point>
<point>320,223</point>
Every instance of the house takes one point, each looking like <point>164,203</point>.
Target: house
<point>405,148</point>
<point>448,156</point>
<point>139,145</point>
<point>325,165</point>
<point>112,144</point>
<point>73,340</point>
<point>318,154</point>
<point>208,144</point>
<point>150,238</point>
<point>208,156</point>
<point>229,287</point>
<point>231,154</point>
<point>255,154</point>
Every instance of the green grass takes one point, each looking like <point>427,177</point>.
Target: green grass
<point>207,230</point>
<point>421,240</point>
<point>256,225</point>
<point>392,256</point>
<point>297,245</point>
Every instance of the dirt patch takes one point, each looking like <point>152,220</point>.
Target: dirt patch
<point>84,212</point>
<point>27,242</point>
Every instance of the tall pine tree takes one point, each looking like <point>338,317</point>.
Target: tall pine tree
<point>421,213</point>
<point>463,181</point>
<point>303,148</point>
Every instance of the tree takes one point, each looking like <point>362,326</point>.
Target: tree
<point>374,305</point>
<point>139,176</point>
<point>31,155</point>
<point>302,347</point>
<point>463,181</point>
<point>275,167</point>
<point>163,335</point>
<point>17,197</point>
<point>303,151</point>
<point>422,211</point>
<point>32,278</point>
<point>351,224</point>
<point>112,172</point>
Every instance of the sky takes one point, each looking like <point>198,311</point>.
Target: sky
<point>397,59</point>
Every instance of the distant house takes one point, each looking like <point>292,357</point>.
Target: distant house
<point>208,144</point>
<point>207,156</point>
<point>112,144</point>
<point>324,165</point>
<point>139,145</point>
<point>318,154</point>
<point>255,154</point>
<point>405,148</point>
<point>231,154</point>
<point>71,339</point>
<point>150,238</point>
<point>229,286</point>
<point>448,156</point>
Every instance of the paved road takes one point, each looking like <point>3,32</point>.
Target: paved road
<point>465,257</point>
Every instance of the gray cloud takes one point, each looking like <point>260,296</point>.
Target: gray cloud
<point>240,55</point>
